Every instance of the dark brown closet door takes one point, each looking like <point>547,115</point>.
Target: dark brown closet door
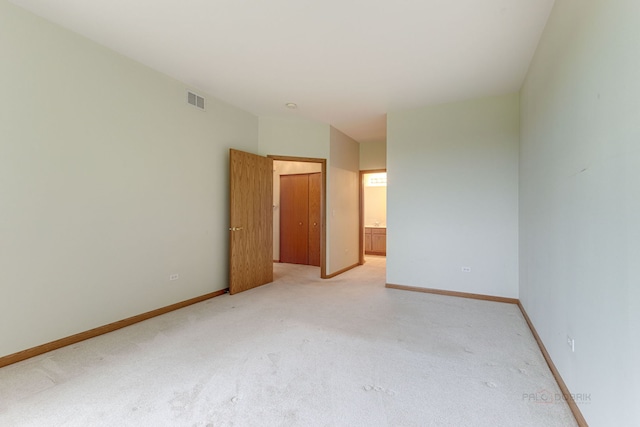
<point>294,219</point>
<point>315,187</point>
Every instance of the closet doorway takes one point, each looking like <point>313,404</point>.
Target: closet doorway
<point>299,195</point>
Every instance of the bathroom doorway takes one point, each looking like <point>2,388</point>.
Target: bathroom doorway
<point>373,213</point>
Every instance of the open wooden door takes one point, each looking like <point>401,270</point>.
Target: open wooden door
<point>251,221</point>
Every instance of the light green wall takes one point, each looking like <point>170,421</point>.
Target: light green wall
<point>373,155</point>
<point>343,203</point>
<point>452,196</point>
<point>293,137</point>
<point>109,183</point>
<point>580,202</point>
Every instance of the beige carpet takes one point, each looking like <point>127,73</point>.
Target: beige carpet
<point>299,352</point>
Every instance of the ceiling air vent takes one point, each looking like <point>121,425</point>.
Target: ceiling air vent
<point>195,100</point>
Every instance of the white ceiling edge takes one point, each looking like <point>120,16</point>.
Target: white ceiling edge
<point>344,63</point>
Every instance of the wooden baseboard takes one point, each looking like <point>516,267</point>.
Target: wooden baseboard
<point>453,293</point>
<point>344,270</point>
<point>91,333</point>
<point>63,342</point>
<point>563,387</point>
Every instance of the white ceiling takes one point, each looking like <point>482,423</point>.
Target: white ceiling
<point>344,62</point>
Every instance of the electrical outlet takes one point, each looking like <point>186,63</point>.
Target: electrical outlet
<point>466,269</point>
<point>174,276</point>
<point>571,343</point>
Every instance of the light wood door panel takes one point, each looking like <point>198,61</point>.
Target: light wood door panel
<point>251,221</point>
<point>375,241</point>
<point>379,243</point>
<point>367,241</point>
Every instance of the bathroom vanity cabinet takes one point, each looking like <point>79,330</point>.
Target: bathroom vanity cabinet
<point>375,240</point>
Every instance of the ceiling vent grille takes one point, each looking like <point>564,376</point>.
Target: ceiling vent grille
<point>195,100</point>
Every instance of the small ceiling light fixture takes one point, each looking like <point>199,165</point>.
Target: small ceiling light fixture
<point>291,105</point>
